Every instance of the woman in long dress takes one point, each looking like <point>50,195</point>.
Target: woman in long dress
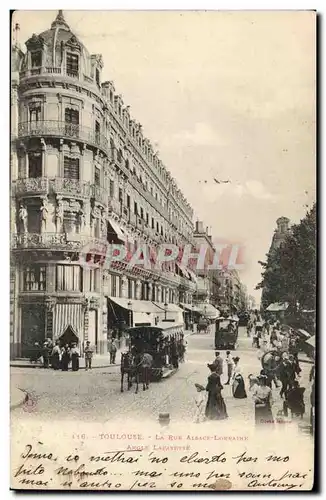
<point>262,395</point>
<point>56,356</point>
<point>74,353</point>
<point>215,407</point>
<point>65,358</point>
<point>238,385</point>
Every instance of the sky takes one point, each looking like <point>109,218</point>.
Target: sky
<point>225,95</point>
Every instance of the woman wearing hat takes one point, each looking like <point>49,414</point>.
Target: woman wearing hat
<point>262,395</point>
<point>238,385</point>
<point>215,407</point>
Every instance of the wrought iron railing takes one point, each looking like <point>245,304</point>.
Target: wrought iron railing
<point>58,241</point>
<point>99,194</point>
<point>63,129</point>
<point>31,185</point>
<point>71,187</point>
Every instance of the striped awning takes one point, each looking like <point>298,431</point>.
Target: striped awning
<point>119,231</point>
<point>208,310</point>
<point>183,270</point>
<point>65,315</point>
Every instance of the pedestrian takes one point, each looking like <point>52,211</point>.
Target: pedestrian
<point>218,362</point>
<point>262,396</point>
<point>113,352</point>
<point>36,353</point>
<point>238,385</point>
<point>56,356</point>
<point>45,355</point>
<point>88,351</point>
<point>294,400</point>
<point>200,402</point>
<point>230,366</point>
<point>65,358</point>
<point>215,406</point>
<point>74,352</point>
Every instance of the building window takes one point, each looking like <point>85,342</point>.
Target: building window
<point>135,208</point>
<point>157,227</point>
<point>72,65</point>
<point>34,165</point>
<point>97,132</point>
<point>113,286</point>
<point>97,176</point>
<point>36,59</point>
<point>97,76</point>
<point>153,223</point>
<point>33,219</point>
<point>147,219</point>
<point>94,280</point>
<point>111,188</point>
<point>69,278</point>
<point>128,201</point>
<point>70,222</point>
<point>71,168</point>
<point>34,278</point>
<point>35,114</point>
<point>141,213</point>
<point>120,195</point>
<point>71,122</point>
<point>119,155</point>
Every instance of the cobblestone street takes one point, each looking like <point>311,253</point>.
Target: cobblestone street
<point>95,395</point>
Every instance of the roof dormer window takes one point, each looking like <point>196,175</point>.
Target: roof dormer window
<point>72,64</point>
<point>36,59</point>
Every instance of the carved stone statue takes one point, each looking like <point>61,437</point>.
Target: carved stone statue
<point>44,212</point>
<point>59,214</point>
<point>22,216</point>
<point>82,219</point>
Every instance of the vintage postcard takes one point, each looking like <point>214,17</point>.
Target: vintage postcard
<point>163,250</point>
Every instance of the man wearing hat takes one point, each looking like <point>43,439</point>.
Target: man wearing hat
<point>218,362</point>
<point>230,365</point>
<point>88,356</point>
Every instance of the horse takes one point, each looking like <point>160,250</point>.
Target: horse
<point>136,366</point>
<point>127,367</point>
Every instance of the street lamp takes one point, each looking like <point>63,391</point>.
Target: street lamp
<point>130,313</point>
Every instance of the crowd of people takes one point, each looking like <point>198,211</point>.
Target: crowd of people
<point>59,357</point>
<point>279,348</point>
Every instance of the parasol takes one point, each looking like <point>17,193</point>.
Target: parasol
<point>303,333</point>
<point>312,341</point>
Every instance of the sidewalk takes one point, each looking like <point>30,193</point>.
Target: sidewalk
<point>99,360</point>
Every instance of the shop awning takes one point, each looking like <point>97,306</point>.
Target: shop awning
<point>208,310</point>
<point>277,307</point>
<point>189,307</point>
<point>169,307</point>
<point>119,231</point>
<point>192,275</point>
<point>145,306</point>
<point>183,270</point>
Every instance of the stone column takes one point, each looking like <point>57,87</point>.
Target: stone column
<point>138,289</point>
<point>124,287</point>
<point>150,290</point>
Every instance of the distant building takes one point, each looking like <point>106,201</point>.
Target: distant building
<point>280,233</point>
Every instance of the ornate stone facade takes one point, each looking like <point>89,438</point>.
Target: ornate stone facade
<point>79,162</point>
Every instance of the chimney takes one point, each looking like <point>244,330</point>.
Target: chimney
<point>199,226</point>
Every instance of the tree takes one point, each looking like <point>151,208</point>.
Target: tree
<point>289,273</point>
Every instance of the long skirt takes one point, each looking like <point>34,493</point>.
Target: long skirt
<point>65,363</point>
<point>75,362</point>
<point>56,361</point>
<point>215,407</point>
<point>238,388</point>
<point>263,414</point>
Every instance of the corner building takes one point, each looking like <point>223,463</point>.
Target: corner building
<point>83,175</point>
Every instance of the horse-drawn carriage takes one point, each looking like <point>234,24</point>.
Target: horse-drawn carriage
<point>202,325</point>
<point>160,346</point>
<point>226,333</point>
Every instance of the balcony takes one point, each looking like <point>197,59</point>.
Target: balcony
<point>99,194</point>
<point>114,206</point>
<point>58,241</point>
<point>55,128</point>
<point>70,187</point>
<point>31,186</point>
<point>53,70</point>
